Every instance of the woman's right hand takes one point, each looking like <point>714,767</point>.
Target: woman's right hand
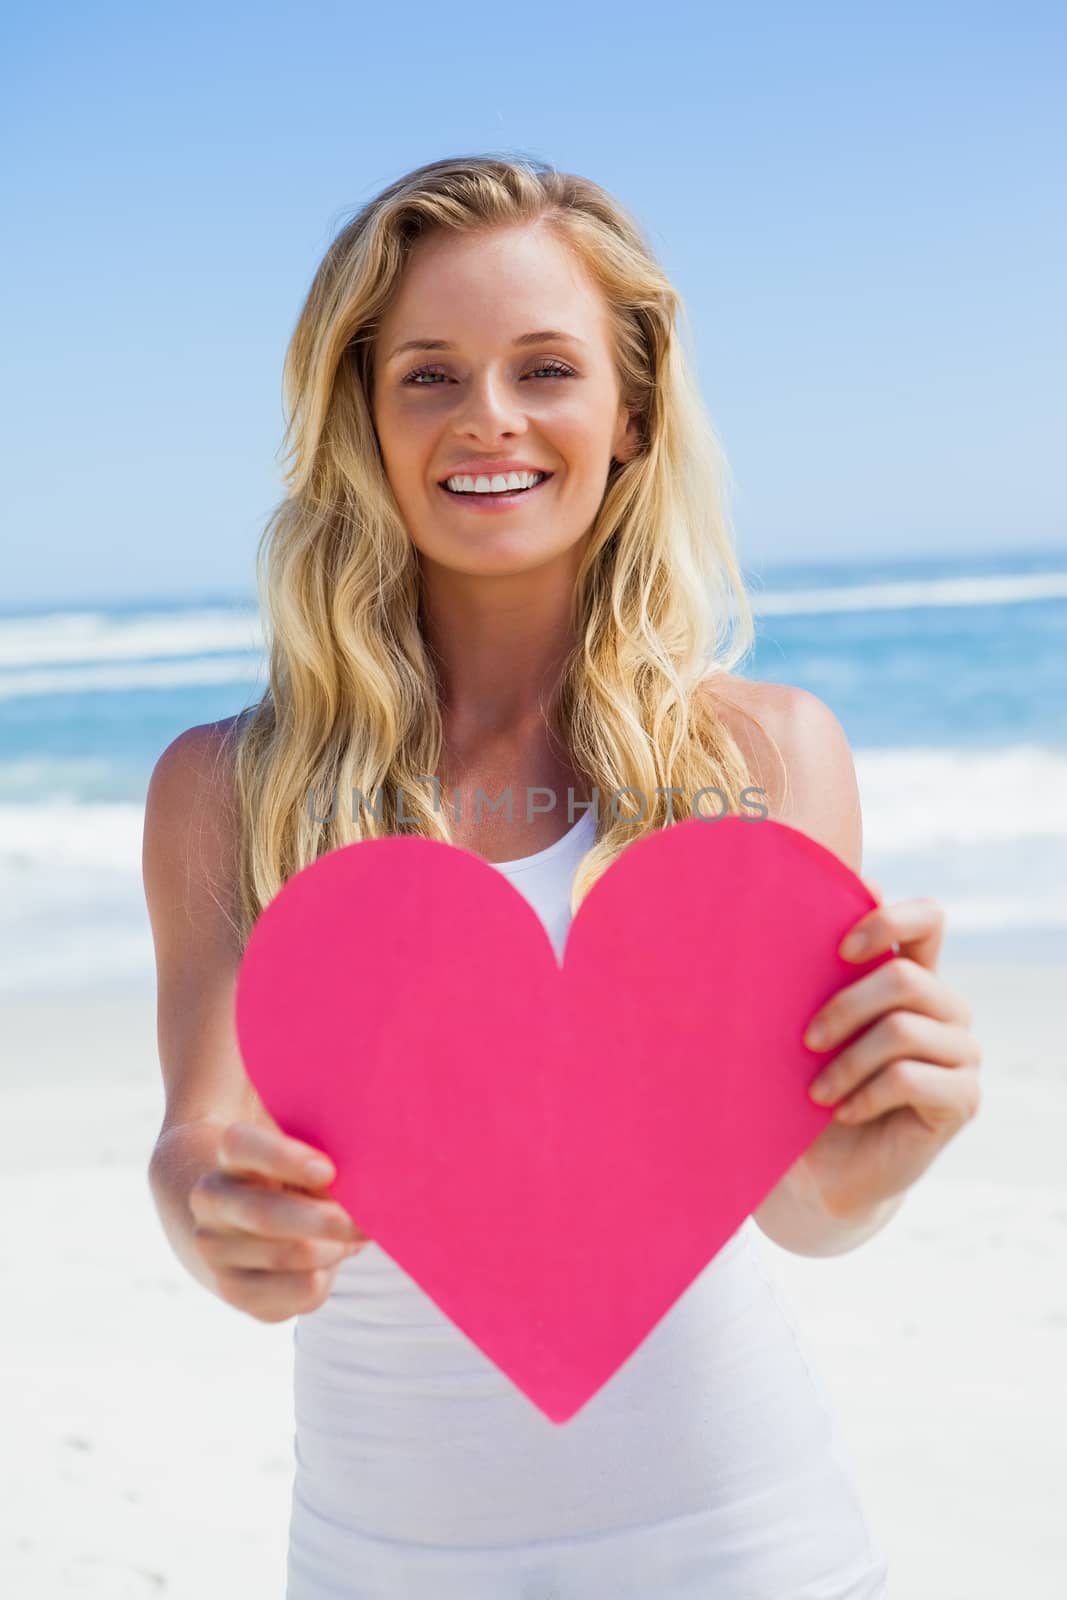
<point>265,1227</point>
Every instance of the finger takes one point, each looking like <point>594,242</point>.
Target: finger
<point>261,1293</point>
<point>943,1100</point>
<point>873,888</point>
<point>245,1147</point>
<point>900,984</point>
<point>900,1034</point>
<point>226,1249</point>
<point>914,927</point>
<point>222,1200</point>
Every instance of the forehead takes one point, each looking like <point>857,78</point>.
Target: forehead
<point>521,277</point>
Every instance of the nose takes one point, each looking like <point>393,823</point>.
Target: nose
<point>490,409</point>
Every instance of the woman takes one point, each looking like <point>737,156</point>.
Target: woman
<point>565,633</point>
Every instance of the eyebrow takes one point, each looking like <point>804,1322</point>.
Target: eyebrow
<point>540,336</point>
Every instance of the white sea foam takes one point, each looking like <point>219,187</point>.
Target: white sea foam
<point>1001,590</point>
<point>114,677</point>
<point>102,636</point>
<point>931,799</point>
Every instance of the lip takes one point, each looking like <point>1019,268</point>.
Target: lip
<point>487,469</point>
<point>494,502</point>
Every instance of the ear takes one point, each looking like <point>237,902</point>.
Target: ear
<point>627,439</point>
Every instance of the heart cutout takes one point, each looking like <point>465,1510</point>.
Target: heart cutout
<point>553,1153</point>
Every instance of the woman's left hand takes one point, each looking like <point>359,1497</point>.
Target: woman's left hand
<point>908,1083</point>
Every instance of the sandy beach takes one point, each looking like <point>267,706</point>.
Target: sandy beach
<point>148,1425</point>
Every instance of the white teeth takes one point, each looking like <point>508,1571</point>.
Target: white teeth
<point>499,483</point>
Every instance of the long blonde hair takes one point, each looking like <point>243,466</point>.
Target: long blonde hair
<point>658,607</point>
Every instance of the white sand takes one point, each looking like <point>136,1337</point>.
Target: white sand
<point>148,1427</point>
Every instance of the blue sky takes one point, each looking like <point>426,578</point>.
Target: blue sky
<point>862,206</point>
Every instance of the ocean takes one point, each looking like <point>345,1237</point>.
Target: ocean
<point>949,676</point>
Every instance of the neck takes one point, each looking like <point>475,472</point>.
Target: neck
<point>498,646</point>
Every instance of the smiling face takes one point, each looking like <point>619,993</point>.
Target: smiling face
<point>498,391</point>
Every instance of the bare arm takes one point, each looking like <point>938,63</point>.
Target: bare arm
<point>818,795</point>
<point>188,860</point>
<point>221,1173</point>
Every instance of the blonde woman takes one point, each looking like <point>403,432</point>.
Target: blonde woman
<point>503,568</point>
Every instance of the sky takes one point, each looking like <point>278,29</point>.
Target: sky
<point>862,206</point>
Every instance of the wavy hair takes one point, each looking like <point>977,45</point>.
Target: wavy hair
<point>658,607</point>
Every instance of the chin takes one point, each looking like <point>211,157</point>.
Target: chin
<point>498,556</point>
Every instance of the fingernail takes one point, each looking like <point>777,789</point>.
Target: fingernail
<point>318,1171</point>
<point>853,945</point>
<point>821,1091</point>
<point>816,1035</point>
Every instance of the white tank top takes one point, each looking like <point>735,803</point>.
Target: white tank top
<point>407,1435</point>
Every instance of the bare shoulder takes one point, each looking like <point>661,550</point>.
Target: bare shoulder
<point>197,767</point>
<point>800,755</point>
<point>190,815</point>
<point>200,750</point>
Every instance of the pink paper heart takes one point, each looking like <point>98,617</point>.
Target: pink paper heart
<point>552,1153</point>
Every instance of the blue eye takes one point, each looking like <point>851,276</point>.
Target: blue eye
<point>555,369</point>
